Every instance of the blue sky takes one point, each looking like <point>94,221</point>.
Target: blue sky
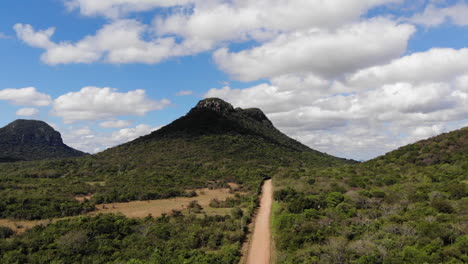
<point>354,79</point>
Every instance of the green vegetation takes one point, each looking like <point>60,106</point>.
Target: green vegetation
<point>212,143</point>
<point>409,206</point>
<point>116,239</point>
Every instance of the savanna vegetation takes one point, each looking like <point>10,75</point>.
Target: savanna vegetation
<point>179,238</point>
<point>409,206</point>
<point>213,145</point>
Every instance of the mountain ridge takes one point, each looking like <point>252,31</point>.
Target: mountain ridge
<point>26,140</point>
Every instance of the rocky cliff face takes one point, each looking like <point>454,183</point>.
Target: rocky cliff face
<point>32,140</point>
<point>214,104</point>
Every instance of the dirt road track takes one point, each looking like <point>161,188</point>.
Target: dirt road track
<point>260,251</point>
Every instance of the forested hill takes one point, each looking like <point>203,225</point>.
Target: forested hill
<point>32,140</point>
<point>214,118</point>
<point>212,145</point>
<point>447,148</point>
<point>408,206</point>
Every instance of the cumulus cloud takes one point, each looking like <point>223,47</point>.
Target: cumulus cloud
<point>28,96</point>
<point>283,93</point>
<point>92,141</point>
<point>323,52</point>
<point>261,19</point>
<point>127,134</point>
<point>434,15</point>
<point>435,65</point>
<point>118,42</point>
<point>27,112</point>
<point>94,103</point>
<point>38,39</point>
<point>361,124</point>
<point>191,29</point>
<point>115,124</point>
<point>333,78</point>
<point>117,8</point>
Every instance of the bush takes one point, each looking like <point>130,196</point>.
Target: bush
<point>442,206</point>
<point>5,232</point>
<point>334,198</point>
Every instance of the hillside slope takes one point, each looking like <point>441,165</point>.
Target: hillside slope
<point>408,206</point>
<point>447,148</point>
<point>32,140</point>
<point>210,146</point>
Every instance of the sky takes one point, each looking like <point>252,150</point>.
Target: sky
<point>352,78</point>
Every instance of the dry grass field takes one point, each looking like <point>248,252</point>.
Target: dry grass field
<point>21,226</point>
<point>140,209</point>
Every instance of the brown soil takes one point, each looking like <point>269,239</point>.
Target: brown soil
<point>260,251</point>
<point>139,209</point>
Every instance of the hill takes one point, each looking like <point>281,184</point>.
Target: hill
<point>215,145</point>
<point>408,206</point>
<point>32,140</point>
<point>210,146</point>
<point>447,148</point>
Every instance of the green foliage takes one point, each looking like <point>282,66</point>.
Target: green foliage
<point>116,239</point>
<point>5,232</point>
<point>212,145</point>
<point>409,206</point>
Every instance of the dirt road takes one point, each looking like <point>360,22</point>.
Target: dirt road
<point>259,251</point>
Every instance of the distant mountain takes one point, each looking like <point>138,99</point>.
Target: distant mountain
<point>32,140</point>
<point>214,116</point>
<point>212,145</point>
<point>215,129</point>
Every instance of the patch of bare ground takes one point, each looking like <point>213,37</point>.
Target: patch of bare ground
<point>139,209</point>
<point>260,245</point>
<point>21,226</point>
<point>83,198</point>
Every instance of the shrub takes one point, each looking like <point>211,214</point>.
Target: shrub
<point>5,232</point>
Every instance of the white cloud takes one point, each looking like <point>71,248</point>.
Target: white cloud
<point>184,93</point>
<point>434,15</point>
<point>199,26</point>
<point>285,92</point>
<point>38,39</point>
<point>92,141</point>
<point>93,103</point>
<point>118,42</point>
<point>435,65</point>
<point>117,8</point>
<point>25,96</point>
<point>128,134</point>
<point>27,112</point>
<point>358,125</point>
<point>427,131</point>
<point>326,53</point>
<point>261,19</point>
<point>115,124</point>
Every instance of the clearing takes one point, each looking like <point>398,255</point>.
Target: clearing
<point>140,209</point>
